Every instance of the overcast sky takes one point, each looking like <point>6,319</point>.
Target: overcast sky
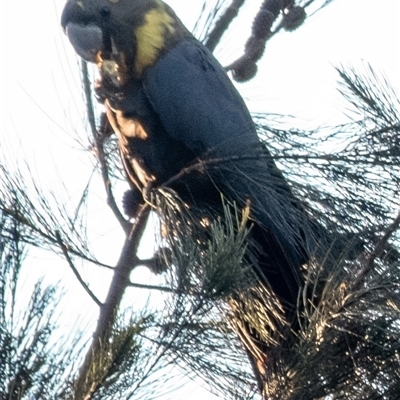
<point>42,105</point>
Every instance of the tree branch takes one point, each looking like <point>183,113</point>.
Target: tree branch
<point>222,24</point>
<point>126,263</point>
<point>264,27</point>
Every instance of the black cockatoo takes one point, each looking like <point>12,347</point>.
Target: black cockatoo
<point>171,104</point>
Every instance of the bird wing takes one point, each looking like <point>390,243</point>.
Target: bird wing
<point>198,105</point>
<point>197,102</point>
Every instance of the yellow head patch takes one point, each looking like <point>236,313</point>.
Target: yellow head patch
<point>151,37</point>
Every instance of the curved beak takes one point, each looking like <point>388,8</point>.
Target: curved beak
<point>87,40</point>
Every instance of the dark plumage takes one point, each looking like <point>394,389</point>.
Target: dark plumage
<point>171,104</point>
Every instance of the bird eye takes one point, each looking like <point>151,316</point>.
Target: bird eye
<point>105,12</point>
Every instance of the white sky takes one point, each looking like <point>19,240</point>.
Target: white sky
<point>42,109</point>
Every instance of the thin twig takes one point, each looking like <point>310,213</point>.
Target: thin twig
<point>155,287</point>
<point>50,236</point>
<point>75,271</point>
<point>99,145</point>
<point>200,165</point>
<point>380,245</point>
